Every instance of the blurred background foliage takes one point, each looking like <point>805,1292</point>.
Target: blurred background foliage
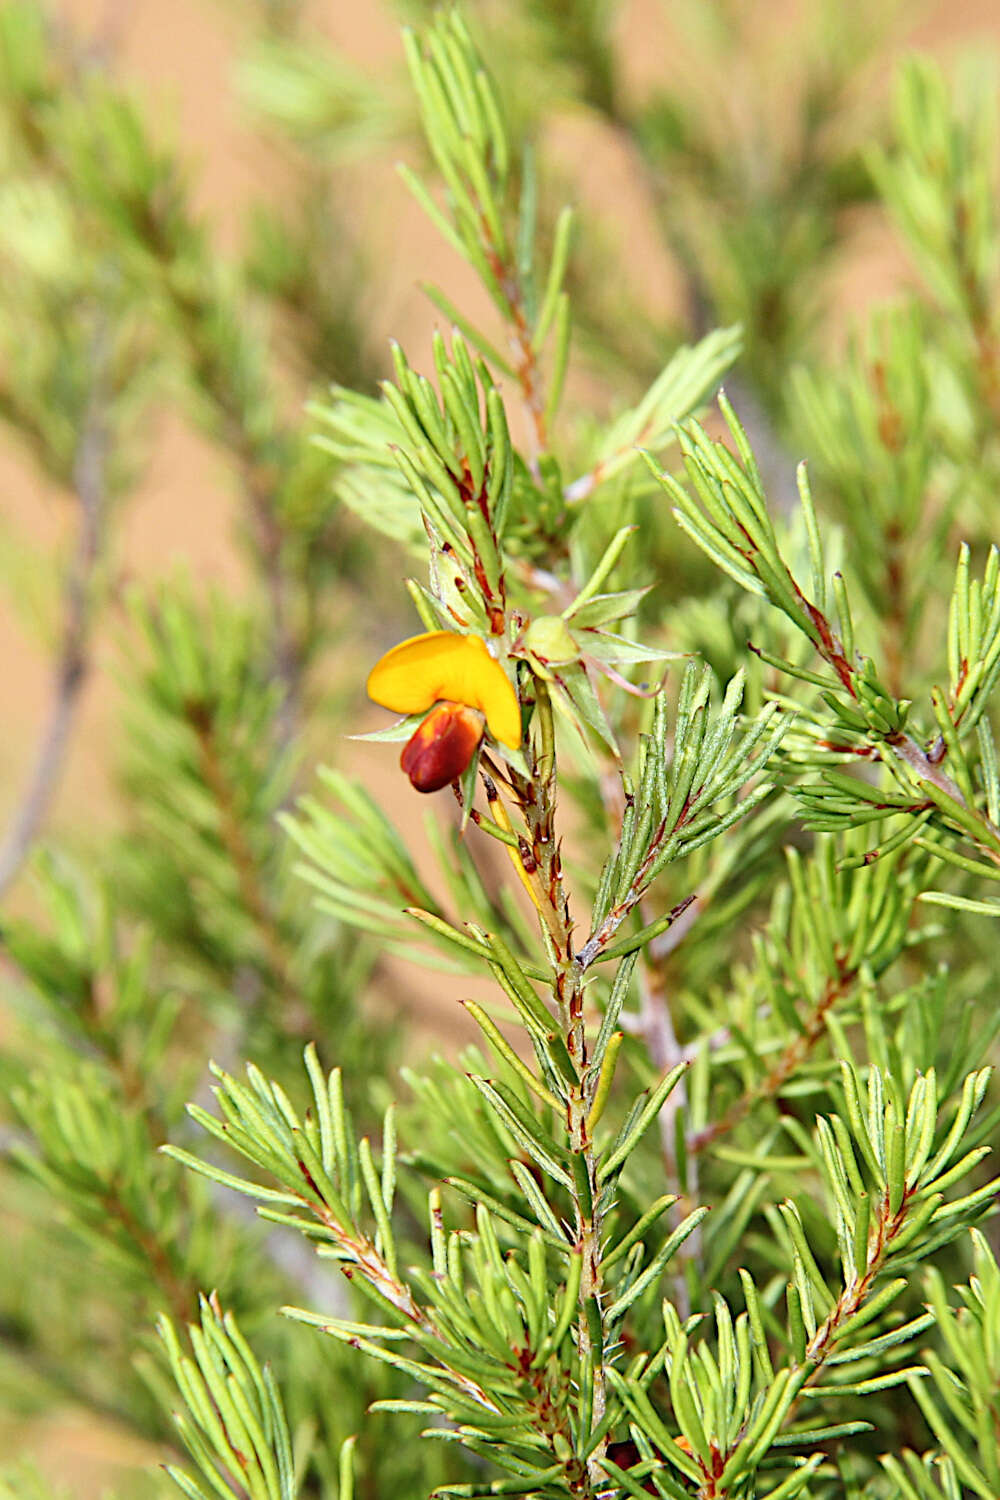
<point>192,245</point>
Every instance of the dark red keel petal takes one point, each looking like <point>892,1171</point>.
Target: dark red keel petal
<point>441,747</point>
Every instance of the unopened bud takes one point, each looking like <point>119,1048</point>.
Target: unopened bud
<point>551,640</point>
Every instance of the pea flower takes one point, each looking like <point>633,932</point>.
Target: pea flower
<point>467,692</point>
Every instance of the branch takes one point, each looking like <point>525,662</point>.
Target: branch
<point>527,367</point>
<point>787,1064</point>
<point>278,959</point>
<point>910,753</point>
<point>89,483</point>
<point>287,649</point>
<point>654,1025</point>
<point>537,796</point>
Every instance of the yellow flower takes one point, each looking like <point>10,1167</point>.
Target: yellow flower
<point>442,667</point>
<point>463,686</point>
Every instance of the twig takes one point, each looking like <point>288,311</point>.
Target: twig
<point>909,752</point>
<point>73,659</point>
<point>536,795</point>
<point>286,649</point>
<point>654,1024</point>
<point>253,896</point>
<point>363,1258</point>
<point>600,940</point>
<point>584,486</point>
<point>678,930</point>
<point>886,1228</point>
<point>787,1064</point>
<point>529,375</point>
<point>160,1256</point>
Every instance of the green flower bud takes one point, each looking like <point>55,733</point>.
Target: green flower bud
<point>551,640</point>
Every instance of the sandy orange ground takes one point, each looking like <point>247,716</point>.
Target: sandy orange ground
<point>181,54</point>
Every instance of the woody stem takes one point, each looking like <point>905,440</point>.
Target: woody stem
<point>539,812</point>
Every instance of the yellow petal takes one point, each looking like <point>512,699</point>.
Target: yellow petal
<point>443,666</point>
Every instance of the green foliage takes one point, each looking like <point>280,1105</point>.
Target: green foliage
<point>689,1221</point>
<point>235,1427</point>
<point>519,1348</point>
<point>938,183</point>
<point>965,1390</point>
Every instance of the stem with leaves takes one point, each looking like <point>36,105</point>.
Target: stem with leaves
<point>540,856</point>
